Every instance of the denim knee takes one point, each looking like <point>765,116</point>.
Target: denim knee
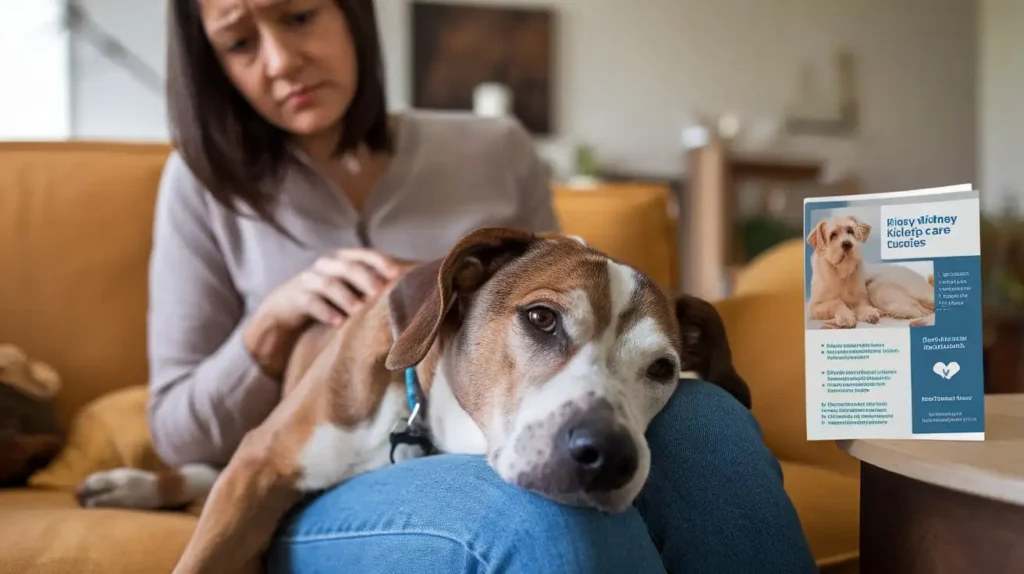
<point>705,417</point>
<point>543,536</point>
<point>714,500</point>
<point>452,513</point>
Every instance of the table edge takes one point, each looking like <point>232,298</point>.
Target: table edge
<point>950,475</point>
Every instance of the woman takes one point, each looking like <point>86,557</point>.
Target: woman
<point>288,197</point>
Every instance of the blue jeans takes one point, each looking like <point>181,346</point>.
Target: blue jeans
<point>714,502</point>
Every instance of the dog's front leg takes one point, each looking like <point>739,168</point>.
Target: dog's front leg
<point>836,311</point>
<point>867,313</point>
<point>243,509</point>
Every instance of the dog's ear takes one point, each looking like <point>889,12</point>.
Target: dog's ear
<point>706,348</point>
<point>425,296</point>
<point>560,236</point>
<point>861,230</point>
<point>816,238</point>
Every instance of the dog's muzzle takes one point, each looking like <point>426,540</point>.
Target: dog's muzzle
<point>596,450</point>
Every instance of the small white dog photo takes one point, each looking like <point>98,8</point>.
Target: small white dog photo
<point>851,287</point>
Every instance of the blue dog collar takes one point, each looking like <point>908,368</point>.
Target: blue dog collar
<point>412,385</point>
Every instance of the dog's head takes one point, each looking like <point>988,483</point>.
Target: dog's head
<point>838,240</point>
<point>561,356</point>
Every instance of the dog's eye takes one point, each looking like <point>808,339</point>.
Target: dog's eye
<point>661,370</point>
<point>833,235</point>
<point>542,318</point>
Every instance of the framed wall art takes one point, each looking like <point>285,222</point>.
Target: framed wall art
<point>458,47</point>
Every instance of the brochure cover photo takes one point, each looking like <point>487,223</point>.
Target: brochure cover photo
<point>893,328</point>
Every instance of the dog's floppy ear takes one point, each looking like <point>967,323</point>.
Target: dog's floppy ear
<point>816,238</point>
<point>560,236</point>
<point>422,298</point>
<point>706,347</point>
<point>861,230</point>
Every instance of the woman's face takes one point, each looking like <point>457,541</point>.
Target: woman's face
<point>293,60</point>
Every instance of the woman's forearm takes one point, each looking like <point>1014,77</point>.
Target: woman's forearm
<point>207,390</point>
<point>200,413</point>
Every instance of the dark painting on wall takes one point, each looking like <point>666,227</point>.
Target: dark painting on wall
<point>457,47</point>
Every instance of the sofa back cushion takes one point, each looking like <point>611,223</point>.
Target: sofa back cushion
<point>778,269</point>
<point>636,223</point>
<point>75,236</point>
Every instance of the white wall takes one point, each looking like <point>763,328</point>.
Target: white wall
<point>1001,110</point>
<point>630,77</point>
<point>109,102</point>
<point>34,65</point>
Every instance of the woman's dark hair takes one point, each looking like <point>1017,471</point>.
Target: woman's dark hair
<point>229,147</point>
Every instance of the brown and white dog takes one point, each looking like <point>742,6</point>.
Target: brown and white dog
<point>537,351</point>
<point>845,290</point>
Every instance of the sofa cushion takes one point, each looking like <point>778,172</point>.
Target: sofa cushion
<point>632,222</point>
<point>828,504</point>
<point>75,227</point>
<point>46,531</point>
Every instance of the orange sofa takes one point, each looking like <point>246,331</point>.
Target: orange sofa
<point>75,235</point>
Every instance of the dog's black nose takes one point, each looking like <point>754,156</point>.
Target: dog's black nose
<point>847,245</point>
<point>602,452</point>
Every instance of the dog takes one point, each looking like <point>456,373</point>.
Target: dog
<point>845,290</point>
<point>537,351</point>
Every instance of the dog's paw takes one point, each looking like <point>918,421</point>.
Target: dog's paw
<point>928,304</point>
<point>845,319</point>
<point>868,315</point>
<point>121,488</point>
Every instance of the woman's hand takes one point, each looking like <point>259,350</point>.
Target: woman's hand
<point>329,291</point>
<point>332,289</point>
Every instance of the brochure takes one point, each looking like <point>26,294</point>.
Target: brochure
<point>893,333</point>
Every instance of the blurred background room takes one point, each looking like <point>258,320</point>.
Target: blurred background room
<point>764,101</point>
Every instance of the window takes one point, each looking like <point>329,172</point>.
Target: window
<point>34,71</point>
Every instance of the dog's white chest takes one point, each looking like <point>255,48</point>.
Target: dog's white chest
<point>454,431</point>
<point>335,454</point>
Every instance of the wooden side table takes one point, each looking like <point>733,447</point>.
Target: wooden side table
<point>1004,352</point>
<point>943,506</point>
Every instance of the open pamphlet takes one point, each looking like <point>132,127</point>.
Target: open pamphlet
<point>893,315</point>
